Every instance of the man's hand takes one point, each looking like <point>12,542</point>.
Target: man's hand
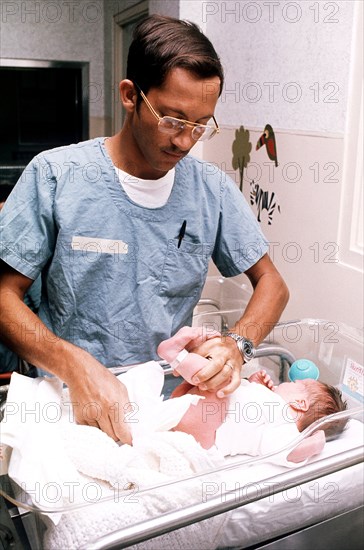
<point>99,399</point>
<point>222,374</point>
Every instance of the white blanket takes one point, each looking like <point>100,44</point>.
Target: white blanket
<point>166,456</point>
<point>61,464</point>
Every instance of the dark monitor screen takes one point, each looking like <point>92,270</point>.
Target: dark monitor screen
<point>40,107</point>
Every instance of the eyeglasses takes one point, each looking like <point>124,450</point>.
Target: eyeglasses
<point>171,125</point>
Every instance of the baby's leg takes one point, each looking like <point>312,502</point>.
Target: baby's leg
<point>174,350</point>
<point>202,336</point>
<point>186,338</point>
<point>183,388</point>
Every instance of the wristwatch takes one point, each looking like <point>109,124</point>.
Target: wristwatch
<point>245,346</point>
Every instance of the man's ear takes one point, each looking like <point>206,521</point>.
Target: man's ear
<point>300,405</point>
<point>128,95</point>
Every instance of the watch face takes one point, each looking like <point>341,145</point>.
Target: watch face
<point>248,349</point>
<point>245,346</point>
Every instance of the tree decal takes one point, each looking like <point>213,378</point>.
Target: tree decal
<point>241,152</point>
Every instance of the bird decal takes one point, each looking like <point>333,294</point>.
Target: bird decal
<point>269,140</point>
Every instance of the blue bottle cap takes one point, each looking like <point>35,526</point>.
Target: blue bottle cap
<point>303,368</point>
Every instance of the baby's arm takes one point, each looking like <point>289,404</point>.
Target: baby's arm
<point>309,447</point>
<point>261,377</point>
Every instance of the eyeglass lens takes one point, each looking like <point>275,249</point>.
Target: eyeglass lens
<point>170,125</point>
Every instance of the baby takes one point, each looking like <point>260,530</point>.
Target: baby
<point>258,418</point>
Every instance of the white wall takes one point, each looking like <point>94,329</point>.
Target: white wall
<point>286,62</point>
<point>314,52</point>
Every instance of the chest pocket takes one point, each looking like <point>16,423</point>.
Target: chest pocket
<point>185,268</point>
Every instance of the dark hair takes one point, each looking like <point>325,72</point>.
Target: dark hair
<point>325,400</point>
<point>163,43</point>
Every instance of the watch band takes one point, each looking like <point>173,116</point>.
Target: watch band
<point>245,346</point>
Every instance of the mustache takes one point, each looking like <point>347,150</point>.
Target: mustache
<point>175,151</point>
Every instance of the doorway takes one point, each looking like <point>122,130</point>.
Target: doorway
<point>124,24</point>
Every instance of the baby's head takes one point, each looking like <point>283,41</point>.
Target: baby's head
<point>325,400</point>
<point>314,400</point>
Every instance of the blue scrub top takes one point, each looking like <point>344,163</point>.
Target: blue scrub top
<point>9,361</point>
<point>114,280</point>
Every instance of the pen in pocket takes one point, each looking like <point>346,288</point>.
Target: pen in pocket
<point>181,233</point>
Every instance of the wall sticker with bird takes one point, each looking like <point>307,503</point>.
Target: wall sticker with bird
<point>268,139</point>
<point>241,148</point>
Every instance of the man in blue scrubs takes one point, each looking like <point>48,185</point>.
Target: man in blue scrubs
<point>122,230</point>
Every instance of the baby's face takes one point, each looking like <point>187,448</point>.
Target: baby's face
<point>292,391</point>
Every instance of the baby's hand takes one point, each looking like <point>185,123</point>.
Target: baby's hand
<point>261,377</point>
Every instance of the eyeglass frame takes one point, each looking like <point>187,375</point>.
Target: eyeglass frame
<point>186,122</point>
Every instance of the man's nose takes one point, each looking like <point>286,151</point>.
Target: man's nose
<point>183,140</point>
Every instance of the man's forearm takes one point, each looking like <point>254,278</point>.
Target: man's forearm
<point>264,309</point>
<point>23,332</point>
